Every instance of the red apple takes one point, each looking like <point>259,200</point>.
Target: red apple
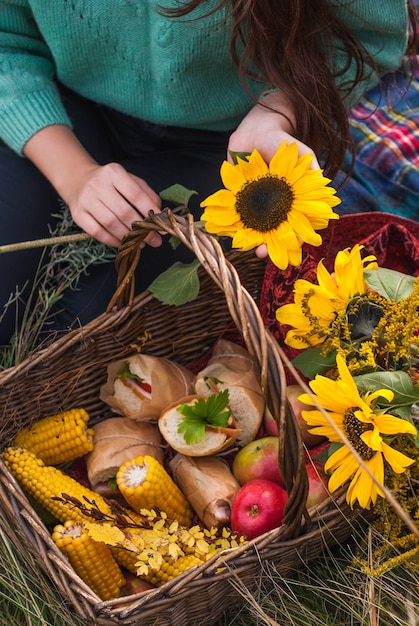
<point>317,484</point>
<point>312,453</point>
<point>257,507</point>
<point>258,459</point>
<point>269,423</point>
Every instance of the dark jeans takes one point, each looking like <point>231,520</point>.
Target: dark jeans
<point>163,156</point>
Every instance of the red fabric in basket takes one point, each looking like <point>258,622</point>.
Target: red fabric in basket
<point>394,241</point>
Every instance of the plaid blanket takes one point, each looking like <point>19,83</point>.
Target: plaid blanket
<point>386,171</point>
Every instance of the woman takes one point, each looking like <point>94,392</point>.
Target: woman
<point>104,104</point>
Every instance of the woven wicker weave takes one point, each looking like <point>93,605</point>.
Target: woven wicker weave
<point>70,372</point>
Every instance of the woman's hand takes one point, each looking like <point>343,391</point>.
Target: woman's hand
<point>104,200</point>
<point>265,127</point>
<point>107,199</point>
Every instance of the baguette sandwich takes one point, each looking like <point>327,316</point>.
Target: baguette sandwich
<point>231,367</point>
<point>209,486</point>
<point>190,430</point>
<point>141,386</point>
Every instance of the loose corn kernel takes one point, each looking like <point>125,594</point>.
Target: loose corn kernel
<point>58,438</point>
<point>90,559</point>
<point>145,484</point>
<point>44,482</point>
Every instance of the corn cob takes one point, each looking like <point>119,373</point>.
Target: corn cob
<point>45,482</point>
<point>90,559</point>
<point>145,484</point>
<point>58,438</point>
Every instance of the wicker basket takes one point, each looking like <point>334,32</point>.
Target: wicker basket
<point>70,372</point>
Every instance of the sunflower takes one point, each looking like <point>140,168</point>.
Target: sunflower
<point>280,204</point>
<point>364,426</point>
<point>315,306</point>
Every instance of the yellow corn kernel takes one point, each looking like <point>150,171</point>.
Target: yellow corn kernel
<point>45,482</point>
<point>91,560</point>
<point>58,438</point>
<point>125,558</point>
<point>145,484</point>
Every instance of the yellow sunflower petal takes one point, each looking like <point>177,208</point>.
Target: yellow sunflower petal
<point>222,231</point>
<point>398,461</point>
<point>372,439</point>
<point>330,394</point>
<point>247,239</point>
<point>313,207</point>
<point>220,215</point>
<point>380,393</point>
<point>277,251</point>
<point>301,340</point>
<point>347,379</point>
<point>343,465</point>
<point>284,159</point>
<point>300,174</point>
<point>295,257</point>
<point>391,425</point>
<point>254,167</point>
<point>325,279</point>
<point>232,177</point>
<point>222,198</point>
<point>302,226</point>
<point>318,423</point>
<point>362,487</point>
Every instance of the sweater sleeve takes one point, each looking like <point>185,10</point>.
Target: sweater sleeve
<point>29,99</point>
<point>381,27</point>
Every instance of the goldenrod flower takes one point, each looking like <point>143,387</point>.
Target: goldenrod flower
<point>280,204</point>
<point>364,428</point>
<point>316,306</point>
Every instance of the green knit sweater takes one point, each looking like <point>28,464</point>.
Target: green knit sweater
<point>123,54</point>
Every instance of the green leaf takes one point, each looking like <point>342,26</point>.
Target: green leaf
<point>405,392</point>
<point>238,155</point>
<point>178,284</point>
<point>126,373</point>
<point>178,194</point>
<point>193,429</point>
<point>390,284</point>
<point>204,412</point>
<point>311,362</point>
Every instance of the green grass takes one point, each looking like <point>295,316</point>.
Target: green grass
<point>331,591</point>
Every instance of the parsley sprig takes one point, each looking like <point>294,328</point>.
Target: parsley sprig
<point>204,412</point>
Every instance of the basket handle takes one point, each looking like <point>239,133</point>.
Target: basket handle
<point>247,318</point>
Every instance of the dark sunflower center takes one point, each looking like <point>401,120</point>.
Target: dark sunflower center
<point>263,204</point>
<point>353,429</point>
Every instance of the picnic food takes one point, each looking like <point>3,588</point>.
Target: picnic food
<point>231,367</point>
<point>116,440</point>
<point>145,484</point>
<point>258,507</point>
<point>92,560</point>
<point>208,484</point>
<point>199,426</point>
<point>141,386</point>
<point>58,438</point>
<point>45,483</point>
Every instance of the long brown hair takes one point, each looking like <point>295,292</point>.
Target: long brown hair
<point>284,41</point>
